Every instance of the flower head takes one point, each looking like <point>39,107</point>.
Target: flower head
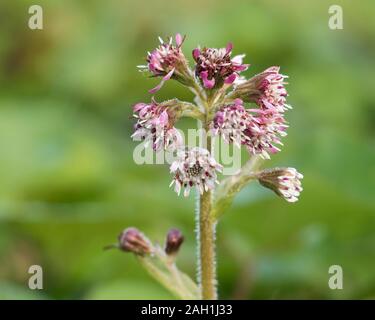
<point>232,122</point>
<point>266,89</point>
<point>285,182</point>
<point>215,66</point>
<point>132,240</point>
<point>155,125</point>
<point>167,61</point>
<point>263,136</point>
<point>259,130</point>
<point>194,167</point>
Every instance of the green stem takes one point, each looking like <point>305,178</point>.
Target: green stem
<point>163,278</point>
<point>170,277</point>
<point>230,186</point>
<point>193,113</point>
<point>207,248</point>
<point>197,90</point>
<point>206,240</point>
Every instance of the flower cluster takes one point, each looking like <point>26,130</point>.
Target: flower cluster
<point>261,131</point>
<point>268,129</point>
<point>155,125</point>
<point>285,182</point>
<point>194,167</point>
<point>233,122</point>
<point>167,61</point>
<point>258,129</point>
<point>265,89</point>
<point>215,66</point>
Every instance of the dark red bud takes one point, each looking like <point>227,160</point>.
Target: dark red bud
<point>173,241</point>
<point>132,240</point>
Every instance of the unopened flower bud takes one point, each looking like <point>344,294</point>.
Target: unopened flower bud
<point>173,241</point>
<point>285,182</point>
<point>132,240</point>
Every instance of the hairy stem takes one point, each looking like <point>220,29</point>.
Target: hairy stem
<point>163,278</point>
<point>207,248</point>
<point>167,274</point>
<point>202,100</point>
<point>206,231</point>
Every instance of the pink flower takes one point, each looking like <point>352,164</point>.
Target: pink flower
<point>167,61</point>
<point>232,122</point>
<point>259,130</point>
<point>285,182</point>
<point>264,137</point>
<point>266,89</point>
<point>215,66</point>
<point>155,125</point>
<point>194,167</point>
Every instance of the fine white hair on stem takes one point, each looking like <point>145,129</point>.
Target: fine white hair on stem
<point>215,281</point>
<point>198,240</point>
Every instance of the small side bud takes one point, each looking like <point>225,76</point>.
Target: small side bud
<point>285,182</point>
<point>132,240</point>
<point>173,242</point>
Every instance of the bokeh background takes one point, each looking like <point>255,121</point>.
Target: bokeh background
<point>69,185</point>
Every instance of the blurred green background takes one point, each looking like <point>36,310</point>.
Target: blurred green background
<point>68,183</point>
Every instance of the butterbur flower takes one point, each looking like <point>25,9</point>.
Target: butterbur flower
<point>220,104</point>
<point>259,130</point>
<point>215,66</point>
<point>266,89</point>
<point>132,240</point>
<point>173,242</point>
<point>264,135</point>
<point>167,61</point>
<point>233,122</point>
<point>155,125</point>
<point>194,167</point>
<point>285,182</point>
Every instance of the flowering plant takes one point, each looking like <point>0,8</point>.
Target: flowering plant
<point>222,106</point>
